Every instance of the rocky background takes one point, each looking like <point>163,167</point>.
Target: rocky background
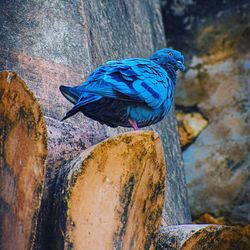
<point>212,99</point>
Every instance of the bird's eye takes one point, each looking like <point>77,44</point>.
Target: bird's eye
<point>170,53</point>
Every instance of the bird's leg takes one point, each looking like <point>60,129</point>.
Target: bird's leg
<point>133,124</point>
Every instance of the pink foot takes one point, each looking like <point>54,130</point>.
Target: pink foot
<point>133,124</point>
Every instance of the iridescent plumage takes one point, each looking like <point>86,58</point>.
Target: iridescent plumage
<point>130,92</point>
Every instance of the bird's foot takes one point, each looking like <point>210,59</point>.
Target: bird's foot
<point>133,124</point>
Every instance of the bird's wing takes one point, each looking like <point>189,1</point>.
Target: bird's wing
<point>137,80</point>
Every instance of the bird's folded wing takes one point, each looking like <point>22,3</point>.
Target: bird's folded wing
<point>131,80</point>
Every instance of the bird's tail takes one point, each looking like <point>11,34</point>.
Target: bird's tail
<point>73,111</point>
<point>70,93</point>
<point>80,105</point>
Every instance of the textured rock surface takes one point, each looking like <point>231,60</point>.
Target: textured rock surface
<point>190,124</point>
<point>205,237</point>
<point>216,39</point>
<point>23,151</point>
<point>112,195</point>
<point>53,42</point>
<point>209,219</point>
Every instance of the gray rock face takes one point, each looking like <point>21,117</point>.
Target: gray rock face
<point>49,43</point>
<point>218,163</point>
<point>217,82</point>
<point>69,39</point>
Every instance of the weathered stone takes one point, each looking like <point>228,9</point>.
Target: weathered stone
<point>217,81</point>
<point>23,151</point>
<point>112,195</point>
<point>205,237</point>
<point>190,124</point>
<point>209,219</point>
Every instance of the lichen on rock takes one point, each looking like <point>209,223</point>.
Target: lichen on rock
<point>23,152</point>
<point>112,195</point>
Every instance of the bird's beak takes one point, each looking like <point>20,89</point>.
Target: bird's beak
<point>180,66</point>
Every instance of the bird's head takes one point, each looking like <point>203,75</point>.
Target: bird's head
<point>169,58</point>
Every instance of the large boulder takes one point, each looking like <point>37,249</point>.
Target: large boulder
<point>112,195</point>
<point>23,152</point>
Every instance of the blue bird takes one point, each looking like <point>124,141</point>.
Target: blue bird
<point>133,92</point>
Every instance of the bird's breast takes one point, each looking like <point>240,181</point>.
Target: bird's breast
<point>145,116</point>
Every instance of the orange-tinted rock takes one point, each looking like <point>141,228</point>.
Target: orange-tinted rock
<point>246,231</point>
<point>23,151</point>
<point>190,126</point>
<point>209,219</point>
<point>202,237</point>
<point>112,195</point>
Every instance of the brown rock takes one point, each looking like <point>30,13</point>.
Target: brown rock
<point>202,237</point>
<point>246,231</point>
<point>209,219</point>
<point>190,125</point>
<point>23,151</point>
<point>112,195</point>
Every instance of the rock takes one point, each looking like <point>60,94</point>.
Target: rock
<point>246,231</point>
<point>209,219</point>
<point>217,82</point>
<point>190,125</point>
<point>203,237</point>
<point>23,151</point>
<point>112,195</point>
